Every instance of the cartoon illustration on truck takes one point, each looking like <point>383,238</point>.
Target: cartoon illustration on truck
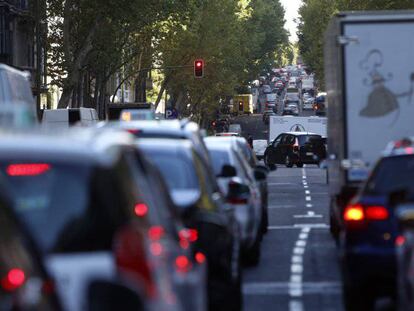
<point>381,100</point>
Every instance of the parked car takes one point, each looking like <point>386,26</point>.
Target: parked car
<point>194,190</point>
<point>79,198</point>
<point>228,134</point>
<point>25,283</point>
<point>295,148</point>
<point>369,228</point>
<point>64,118</point>
<point>238,182</point>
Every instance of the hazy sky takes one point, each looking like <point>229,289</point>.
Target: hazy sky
<point>291,9</point>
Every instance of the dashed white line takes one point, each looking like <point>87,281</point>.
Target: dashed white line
<point>308,198</point>
<point>309,205</point>
<point>307,192</point>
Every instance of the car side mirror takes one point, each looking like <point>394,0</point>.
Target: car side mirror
<point>228,171</point>
<point>259,175</point>
<point>405,215</point>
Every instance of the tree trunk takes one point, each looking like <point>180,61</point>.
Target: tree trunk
<point>162,89</point>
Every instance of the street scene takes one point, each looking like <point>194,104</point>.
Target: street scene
<point>217,155</point>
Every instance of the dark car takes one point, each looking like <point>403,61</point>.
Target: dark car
<point>25,284</point>
<point>194,189</point>
<point>368,230</point>
<point>295,148</point>
<point>78,195</point>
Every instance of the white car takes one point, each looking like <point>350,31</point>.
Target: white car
<point>308,103</point>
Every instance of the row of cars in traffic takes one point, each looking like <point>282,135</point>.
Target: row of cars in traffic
<point>146,215</point>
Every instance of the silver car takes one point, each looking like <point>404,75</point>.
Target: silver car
<point>235,175</point>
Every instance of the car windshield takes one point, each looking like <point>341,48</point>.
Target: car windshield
<point>49,197</point>
<point>177,171</point>
<point>390,175</point>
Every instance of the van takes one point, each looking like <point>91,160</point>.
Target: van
<point>64,118</point>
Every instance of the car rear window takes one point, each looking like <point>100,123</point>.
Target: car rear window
<point>391,174</point>
<point>63,205</point>
<point>178,172</point>
<point>219,159</point>
<point>303,139</point>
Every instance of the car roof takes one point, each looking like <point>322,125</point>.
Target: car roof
<point>72,145</point>
<point>165,145</point>
<point>300,133</point>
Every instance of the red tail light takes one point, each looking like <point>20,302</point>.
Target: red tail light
<point>400,240</point>
<point>296,145</point>
<point>359,213</point>
<point>376,213</point>
<point>14,279</point>
<point>190,235</point>
<point>155,233</point>
<point>200,257</point>
<point>131,257</point>
<point>133,131</point>
<point>141,209</point>
<point>32,169</point>
<point>354,213</point>
<point>182,263</point>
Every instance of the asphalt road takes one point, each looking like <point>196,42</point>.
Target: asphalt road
<point>298,269</point>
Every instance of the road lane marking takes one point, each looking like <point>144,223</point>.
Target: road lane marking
<point>296,305</point>
<point>309,205</point>
<point>299,226</point>
<point>301,243</point>
<point>297,259</point>
<point>307,192</point>
<point>282,288</point>
<point>280,206</point>
<point>308,198</point>
<point>298,251</point>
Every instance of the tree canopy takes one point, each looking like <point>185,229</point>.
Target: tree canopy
<point>92,41</point>
<point>314,18</point>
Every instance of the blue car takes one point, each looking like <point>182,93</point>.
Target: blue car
<point>370,228</point>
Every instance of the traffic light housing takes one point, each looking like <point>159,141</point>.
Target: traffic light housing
<point>198,68</point>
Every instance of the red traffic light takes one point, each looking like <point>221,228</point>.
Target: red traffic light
<point>198,68</point>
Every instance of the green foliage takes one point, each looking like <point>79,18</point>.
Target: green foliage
<point>314,18</point>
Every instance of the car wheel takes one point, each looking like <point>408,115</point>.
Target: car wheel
<point>288,162</point>
<point>299,164</point>
<point>267,160</point>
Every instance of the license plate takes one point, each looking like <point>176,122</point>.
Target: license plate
<point>309,153</point>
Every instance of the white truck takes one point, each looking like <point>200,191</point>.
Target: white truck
<point>369,76</point>
<point>279,125</point>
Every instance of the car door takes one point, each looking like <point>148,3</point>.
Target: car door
<point>285,146</point>
<point>273,149</point>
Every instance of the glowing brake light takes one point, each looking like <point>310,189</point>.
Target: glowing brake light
<point>357,212</point>
<point>400,240</point>
<point>155,233</point>
<point>200,257</point>
<point>32,169</point>
<point>182,263</point>
<point>354,213</point>
<point>14,279</point>
<point>141,209</point>
<point>190,235</point>
<point>376,213</point>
